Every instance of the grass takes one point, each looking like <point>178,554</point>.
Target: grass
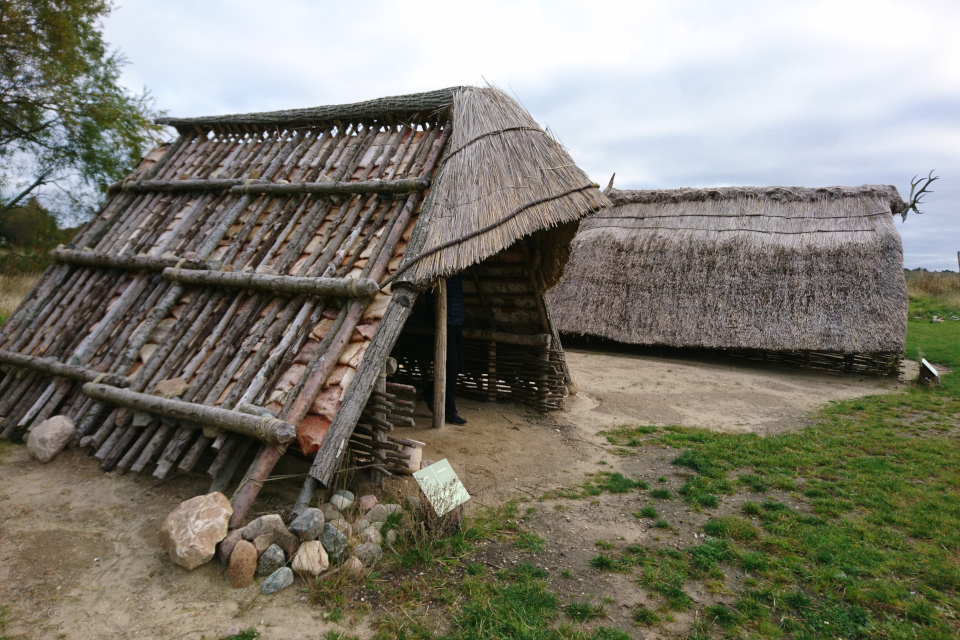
<point>869,544</point>
<point>648,511</point>
<point>249,633</point>
<point>13,287</point>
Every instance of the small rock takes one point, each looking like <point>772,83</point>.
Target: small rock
<point>381,512</point>
<point>371,535</point>
<point>171,388</point>
<point>270,560</point>
<point>48,438</point>
<point>287,541</point>
<point>392,536</point>
<point>329,512</point>
<point>368,552</point>
<point>376,525</point>
<point>278,580</point>
<point>308,525</point>
<point>361,524</point>
<point>262,525</point>
<point>343,493</point>
<point>341,502</point>
<point>262,543</point>
<point>367,502</point>
<point>334,543</point>
<point>352,568</point>
<point>311,559</point>
<point>343,526</point>
<point>243,564</point>
<point>413,503</point>
<point>191,532</point>
<point>225,548</point>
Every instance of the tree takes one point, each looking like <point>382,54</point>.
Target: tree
<point>66,125</point>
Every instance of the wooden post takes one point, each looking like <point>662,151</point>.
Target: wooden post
<point>440,353</point>
<point>491,371</point>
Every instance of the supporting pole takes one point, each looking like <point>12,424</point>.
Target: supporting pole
<point>440,353</point>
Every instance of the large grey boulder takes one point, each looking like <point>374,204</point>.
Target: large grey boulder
<point>270,560</point>
<point>308,525</point>
<point>49,438</point>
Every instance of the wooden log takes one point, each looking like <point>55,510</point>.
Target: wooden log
<point>292,285</point>
<point>54,368</point>
<point>328,458</point>
<point>397,388</point>
<point>439,353</point>
<point>91,259</point>
<point>167,186</point>
<point>269,430</point>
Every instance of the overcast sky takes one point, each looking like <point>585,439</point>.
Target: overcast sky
<point>666,94</point>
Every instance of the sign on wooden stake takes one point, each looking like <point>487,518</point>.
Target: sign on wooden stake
<point>439,482</point>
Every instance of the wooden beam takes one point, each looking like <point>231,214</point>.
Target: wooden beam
<point>328,458</point>
<point>55,368</point>
<point>293,285</point>
<point>137,263</point>
<point>269,430</point>
<point>439,353</point>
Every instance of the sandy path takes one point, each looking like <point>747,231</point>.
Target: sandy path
<point>78,548</point>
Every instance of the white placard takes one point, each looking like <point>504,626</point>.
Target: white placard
<point>439,482</point>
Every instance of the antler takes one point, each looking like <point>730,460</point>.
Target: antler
<point>914,201</point>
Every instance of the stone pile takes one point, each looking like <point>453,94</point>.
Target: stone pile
<point>345,533</point>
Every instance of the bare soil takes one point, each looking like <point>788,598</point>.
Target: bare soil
<point>79,556</point>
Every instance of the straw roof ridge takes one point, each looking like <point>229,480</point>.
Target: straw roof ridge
<point>502,177</point>
<point>413,107</point>
<point>777,194</point>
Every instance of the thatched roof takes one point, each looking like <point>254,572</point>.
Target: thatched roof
<point>775,268</point>
<point>253,258</point>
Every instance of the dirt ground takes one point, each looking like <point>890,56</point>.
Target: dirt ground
<point>79,556</point>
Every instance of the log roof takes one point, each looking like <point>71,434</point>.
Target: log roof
<point>255,257</point>
<point>781,269</point>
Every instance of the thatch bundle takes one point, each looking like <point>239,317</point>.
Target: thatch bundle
<point>501,178</point>
<point>232,274</point>
<point>773,269</point>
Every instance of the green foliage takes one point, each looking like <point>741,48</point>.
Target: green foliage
<point>751,508</point>
<point>661,494</point>
<point>604,562</point>
<point>249,633</point>
<point>65,122</point>
<point>628,435</point>
<point>661,524</point>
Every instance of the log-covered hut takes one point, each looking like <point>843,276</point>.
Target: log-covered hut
<point>243,290</point>
<point>809,276</point>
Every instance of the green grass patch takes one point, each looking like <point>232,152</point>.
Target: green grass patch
<point>648,511</point>
<point>529,542</point>
<point>873,551</point>
<point>661,494</point>
<point>628,435</point>
<point>584,612</point>
<point>645,616</point>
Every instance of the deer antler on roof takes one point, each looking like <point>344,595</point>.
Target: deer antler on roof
<point>913,202</point>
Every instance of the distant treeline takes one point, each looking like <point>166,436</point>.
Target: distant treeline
<point>27,234</point>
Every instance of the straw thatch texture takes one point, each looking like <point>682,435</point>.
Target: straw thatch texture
<point>775,269</point>
<point>503,172</point>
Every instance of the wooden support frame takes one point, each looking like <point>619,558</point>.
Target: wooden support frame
<point>239,187</point>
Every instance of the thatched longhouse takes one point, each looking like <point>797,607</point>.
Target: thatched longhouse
<point>814,276</point>
<point>241,292</point>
